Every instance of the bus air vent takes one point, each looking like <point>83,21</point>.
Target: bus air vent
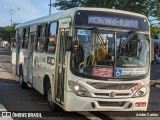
<point>111,104</point>
<point>112,86</point>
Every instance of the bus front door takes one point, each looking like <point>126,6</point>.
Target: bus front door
<point>61,67</point>
<point>30,58</point>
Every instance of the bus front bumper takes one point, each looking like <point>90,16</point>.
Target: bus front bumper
<point>77,103</point>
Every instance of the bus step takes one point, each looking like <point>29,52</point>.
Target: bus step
<point>29,85</point>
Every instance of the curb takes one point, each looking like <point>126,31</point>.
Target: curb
<point>2,108</point>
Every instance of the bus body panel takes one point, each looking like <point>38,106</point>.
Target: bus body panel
<point>14,60</point>
<point>23,56</point>
<point>87,101</point>
<point>76,103</point>
<point>38,71</point>
<point>49,70</point>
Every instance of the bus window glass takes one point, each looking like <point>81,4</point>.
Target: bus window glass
<point>41,38</point>
<point>20,37</point>
<point>132,54</point>
<point>93,52</point>
<point>26,38</point>
<point>52,38</point>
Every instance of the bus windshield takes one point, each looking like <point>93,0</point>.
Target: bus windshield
<point>103,53</point>
<point>132,54</point>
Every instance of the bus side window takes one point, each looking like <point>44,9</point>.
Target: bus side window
<point>26,38</point>
<point>51,43</point>
<point>24,41</point>
<point>20,38</point>
<point>40,38</point>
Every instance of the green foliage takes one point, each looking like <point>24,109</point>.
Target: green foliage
<point>146,7</point>
<point>158,10</point>
<point>155,32</point>
<point>6,32</point>
<point>66,4</point>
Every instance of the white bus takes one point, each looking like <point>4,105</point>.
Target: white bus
<point>86,59</point>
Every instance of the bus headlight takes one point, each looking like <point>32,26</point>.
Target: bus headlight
<point>141,92</point>
<point>78,89</point>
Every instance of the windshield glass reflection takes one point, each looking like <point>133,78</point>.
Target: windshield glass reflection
<point>94,53</point>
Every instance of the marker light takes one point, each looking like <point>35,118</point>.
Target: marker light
<point>79,90</point>
<point>140,104</point>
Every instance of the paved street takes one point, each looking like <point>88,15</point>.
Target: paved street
<point>155,72</point>
<point>13,98</point>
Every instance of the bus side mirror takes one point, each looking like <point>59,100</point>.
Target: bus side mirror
<point>68,43</point>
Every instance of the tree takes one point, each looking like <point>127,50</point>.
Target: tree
<point>146,7</point>
<point>6,32</point>
<point>66,4</point>
<point>158,8</point>
<point>158,11</point>
<point>155,32</point>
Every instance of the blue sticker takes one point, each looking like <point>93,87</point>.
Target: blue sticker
<point>118,72</point>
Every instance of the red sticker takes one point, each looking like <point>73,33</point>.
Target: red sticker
<point>102,72</point>
<point>135,88</point>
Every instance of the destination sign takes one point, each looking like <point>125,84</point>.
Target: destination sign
<point>110,19</point>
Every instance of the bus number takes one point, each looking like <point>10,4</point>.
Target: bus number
<point>135,88</point>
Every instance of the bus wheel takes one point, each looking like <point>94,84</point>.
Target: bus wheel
<point>21,81</point>
<point>51,104</point>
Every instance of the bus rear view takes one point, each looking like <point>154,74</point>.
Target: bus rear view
<point>109,62</point>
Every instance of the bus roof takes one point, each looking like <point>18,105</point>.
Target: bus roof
<point>70,12</point>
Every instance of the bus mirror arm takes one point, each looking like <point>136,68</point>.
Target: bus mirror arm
<point>68,43</point>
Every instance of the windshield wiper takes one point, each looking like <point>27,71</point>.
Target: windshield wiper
<point>100,37</point>
<point>129,37</point>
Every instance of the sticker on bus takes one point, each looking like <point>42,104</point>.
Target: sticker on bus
<point>83,32</point>
<point>134,71</point>
<point>136,87</point>
<point>129,71</point>
<point>102,72</point>
<point>118,72</point>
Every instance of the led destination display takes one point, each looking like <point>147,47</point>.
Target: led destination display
<point>108,19</point>
<point>117,22</point>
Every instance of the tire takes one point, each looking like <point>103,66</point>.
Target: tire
<point>21,81</point>
<point>51,104</point>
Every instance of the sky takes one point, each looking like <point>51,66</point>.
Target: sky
<point>29,9</point>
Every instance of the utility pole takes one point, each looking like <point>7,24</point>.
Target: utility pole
<point>50,6</point>
<point>11,11</point>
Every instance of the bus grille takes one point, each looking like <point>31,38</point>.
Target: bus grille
<point>112,86</point>
<point>107,94</point>
<point>111,104</point>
